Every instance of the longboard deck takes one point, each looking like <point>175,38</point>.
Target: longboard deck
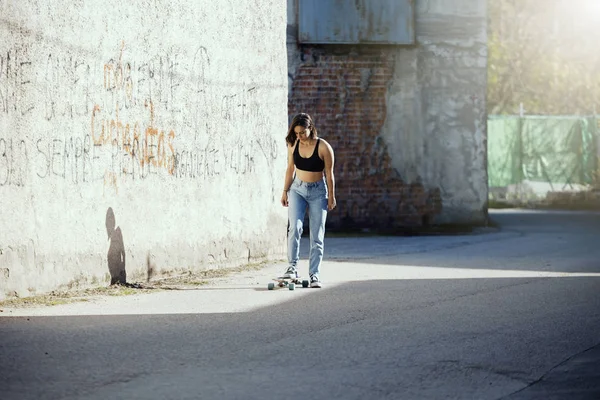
<point>290,283</point>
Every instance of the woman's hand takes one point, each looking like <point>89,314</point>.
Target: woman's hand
<point>284,199</point>
<point>331,203</point>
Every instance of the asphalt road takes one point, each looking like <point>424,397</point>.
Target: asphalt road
<point>509,314</point>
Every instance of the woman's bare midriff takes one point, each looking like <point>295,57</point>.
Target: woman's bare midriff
<point>308,176</point>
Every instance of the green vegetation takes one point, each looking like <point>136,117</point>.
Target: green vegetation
<point>542,53</point>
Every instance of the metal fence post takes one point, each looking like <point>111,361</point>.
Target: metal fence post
<point>521,176</point>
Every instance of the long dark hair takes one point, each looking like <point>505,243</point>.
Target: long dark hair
<point>304,120</point>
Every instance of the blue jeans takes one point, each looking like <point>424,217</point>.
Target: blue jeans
<point>314,196</point>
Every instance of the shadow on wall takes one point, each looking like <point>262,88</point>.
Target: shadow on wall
<point>116,250</point>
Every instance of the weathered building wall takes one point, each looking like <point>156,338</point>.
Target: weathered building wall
<point>407,123</point>
<point>153,131</point>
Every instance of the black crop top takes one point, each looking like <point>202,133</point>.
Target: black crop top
<point>312,163</point>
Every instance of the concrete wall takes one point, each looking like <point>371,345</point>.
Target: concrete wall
<point>154,129</point>
<point>408,123</point>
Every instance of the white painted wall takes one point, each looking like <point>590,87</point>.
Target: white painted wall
<point>172,113</point>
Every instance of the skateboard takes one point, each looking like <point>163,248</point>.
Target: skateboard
<point>290,283</point>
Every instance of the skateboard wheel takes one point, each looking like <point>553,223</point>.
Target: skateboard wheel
<point>291,286</point>
<point>305,283</point>
<point>271,286</point>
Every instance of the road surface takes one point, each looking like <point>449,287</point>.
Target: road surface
<point>512,314</point>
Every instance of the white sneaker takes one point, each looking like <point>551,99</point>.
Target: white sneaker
<point>291,273</point>
<point>314,281</point>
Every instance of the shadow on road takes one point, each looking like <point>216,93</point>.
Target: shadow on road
<point>424,337</point>
<point>401,338</point>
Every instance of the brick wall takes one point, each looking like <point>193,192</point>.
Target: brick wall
<point>344,89</point>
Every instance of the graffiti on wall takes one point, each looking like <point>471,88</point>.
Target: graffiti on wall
<point>14,158</point>
<point>15,73</point>
<point>160,116</point>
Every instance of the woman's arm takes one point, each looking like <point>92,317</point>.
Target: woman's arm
<point>329,158</point>
<point>289,175</point>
